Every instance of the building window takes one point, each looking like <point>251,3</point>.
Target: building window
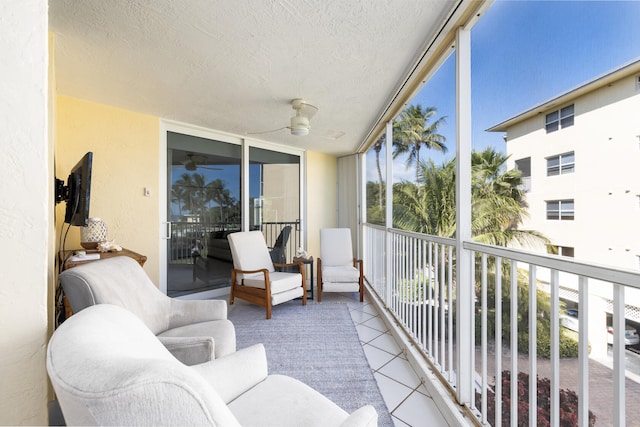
<point>559,119</point>
<point>561,164</point>
<point>560,210</point>
<point>567,251</point>
<point>524,166</point>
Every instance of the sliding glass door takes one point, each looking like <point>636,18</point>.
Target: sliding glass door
<point>219,187</point>
<point>274,200</point>
<point>204,195</point>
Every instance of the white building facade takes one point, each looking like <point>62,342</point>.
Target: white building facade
<point>580,158</point>
<point>580,155</point>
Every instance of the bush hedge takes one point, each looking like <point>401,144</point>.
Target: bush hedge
<point>568,345</point>
<point>568,403</point>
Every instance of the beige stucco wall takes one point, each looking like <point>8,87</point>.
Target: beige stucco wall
<point>321,197</point>
<point>25,213</point>
<point>126,159</point>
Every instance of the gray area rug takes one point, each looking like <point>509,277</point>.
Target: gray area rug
<point>318,345</point>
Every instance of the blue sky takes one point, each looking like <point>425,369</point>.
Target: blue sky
<point>524,53</point>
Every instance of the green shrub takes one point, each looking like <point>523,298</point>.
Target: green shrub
<point>568,345</point>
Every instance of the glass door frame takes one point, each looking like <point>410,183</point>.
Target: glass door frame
<point>177,127</point>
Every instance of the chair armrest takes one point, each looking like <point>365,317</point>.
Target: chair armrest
<point>289,264</point>
<point>186,312</point>
<point>234,374</point>
<point>358,264</point>
<point>363,417</point>
<point>190,350</point>
<point>288,267</point>
<point>262,270</point>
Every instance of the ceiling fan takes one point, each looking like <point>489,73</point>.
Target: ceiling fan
<point>300,123</point>
<point>194,162</point>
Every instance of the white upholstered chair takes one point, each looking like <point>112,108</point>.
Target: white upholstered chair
<point>254,277</point>
<point>338,270</point>
<point>108,368</point>
<point>185,326</point>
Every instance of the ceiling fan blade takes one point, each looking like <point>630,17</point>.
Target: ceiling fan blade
<point>307,110</point>
<point>330,134</point>
<point>303,108</point>
<point>267,131</point>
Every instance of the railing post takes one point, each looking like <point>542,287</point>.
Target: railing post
<point>464,277</point>
<point>388,217</point>
<point>619,406</point>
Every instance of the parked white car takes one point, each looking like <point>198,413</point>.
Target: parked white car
<point>570,320</point>
<point>630,335</point>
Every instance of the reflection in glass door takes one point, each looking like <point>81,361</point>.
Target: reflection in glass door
<point>274,200</point>
<point>203,198</point>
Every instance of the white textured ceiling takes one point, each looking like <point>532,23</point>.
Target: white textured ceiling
<point>234,65</point>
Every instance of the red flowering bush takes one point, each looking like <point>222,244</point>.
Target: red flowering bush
<point>568,403</point>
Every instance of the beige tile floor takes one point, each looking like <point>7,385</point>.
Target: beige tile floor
<point>407,399</point>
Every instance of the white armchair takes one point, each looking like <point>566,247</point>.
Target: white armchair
<point>193,330</point>
<point>338,270</point>
<point>108,368</point>
<point>254,277</point>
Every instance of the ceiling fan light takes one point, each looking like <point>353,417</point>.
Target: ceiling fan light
<point>299,126</point>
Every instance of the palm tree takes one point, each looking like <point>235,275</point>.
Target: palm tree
<point>411,131</point>
<point>216,191</point>
<point>177,196</point>
<point>498,202</point>
<point>377,148</point>
<point>498,205</point>
<point>430,206</point>
<point>193,188</point>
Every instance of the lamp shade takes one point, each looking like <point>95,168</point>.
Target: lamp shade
<point>93,233</point>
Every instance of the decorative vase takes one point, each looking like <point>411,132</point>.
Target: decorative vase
<point>93,233</point>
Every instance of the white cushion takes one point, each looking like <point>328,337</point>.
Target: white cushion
<point>340,287</point>
<point>335,246</point>
<point>249,251</point>
<point>340,274</point>
<point>282,401</point>
<point>222,332</point>
<point>286,295</point>
<point>280,281</point>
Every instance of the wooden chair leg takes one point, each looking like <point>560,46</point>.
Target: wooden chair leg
<point>304,284</point>
<point>319,280</point>
<point>233,286</point>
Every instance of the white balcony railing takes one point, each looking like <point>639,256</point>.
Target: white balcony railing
<point>415,277</point>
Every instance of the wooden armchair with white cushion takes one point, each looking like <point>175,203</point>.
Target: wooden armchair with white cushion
<point>338,270</point>
<point>254,277</point>
<point>108,368</point>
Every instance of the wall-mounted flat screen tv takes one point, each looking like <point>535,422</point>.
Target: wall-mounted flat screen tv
<point>77,192</point>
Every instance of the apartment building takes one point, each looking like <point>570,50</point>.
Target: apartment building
<point>579,154</point>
